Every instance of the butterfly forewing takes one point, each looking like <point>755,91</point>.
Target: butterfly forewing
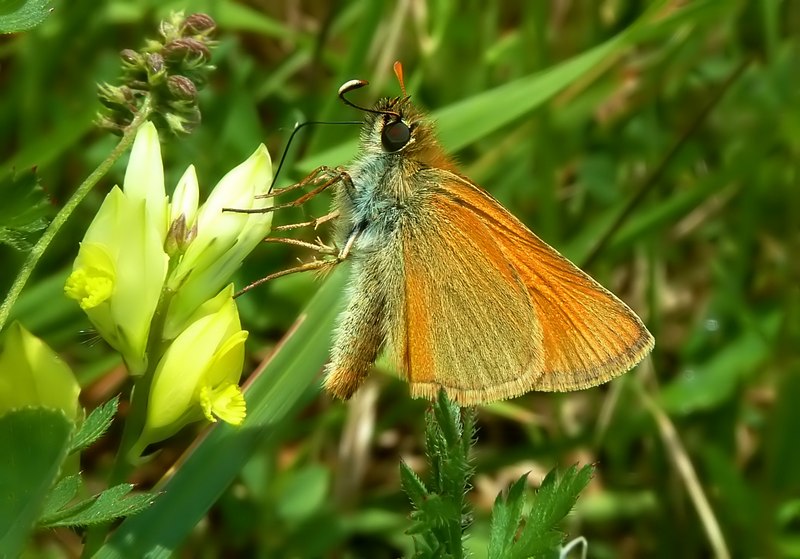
<point>513,315</point>
<point>473,329</point>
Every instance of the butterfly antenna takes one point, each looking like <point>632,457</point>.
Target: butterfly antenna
<point>297,127</point>
<point>352,85</point>
<point>398,71</point>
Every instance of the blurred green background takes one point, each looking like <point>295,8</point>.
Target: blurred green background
<point>672,144</point>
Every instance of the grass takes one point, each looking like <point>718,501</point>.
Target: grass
<point>565,111</point>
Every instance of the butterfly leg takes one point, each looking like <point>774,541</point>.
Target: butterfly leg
<point>331,177</point>
<point>310,178</point>
<point>316,222</point>
<point>326,177</point>
<point>313,265</point>
<point>322,177</point>
<point>317,246</point>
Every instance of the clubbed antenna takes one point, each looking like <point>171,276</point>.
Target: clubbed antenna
<point>398,71</point>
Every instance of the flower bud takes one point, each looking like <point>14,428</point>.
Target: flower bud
<point>144,177</point>
<point>182,88</point>
<point>183,214</point>
<point>182,123</point>
<point>113,97</point>
<point>186,48</point>
<point>154,63</point>
<point>200,24</point>
<point>168,28</point>
<point>223,238</point>
<point>131,58</point>
<point>199,373</point>
<point>185,198</point>
<point>31,374</point>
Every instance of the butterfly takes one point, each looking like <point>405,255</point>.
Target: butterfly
<point>459,292</point>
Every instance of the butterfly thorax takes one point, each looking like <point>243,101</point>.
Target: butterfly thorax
<point>387,185</point>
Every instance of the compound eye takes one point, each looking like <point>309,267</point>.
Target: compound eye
<point>395,136</point>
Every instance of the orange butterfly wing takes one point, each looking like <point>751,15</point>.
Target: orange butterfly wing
<point>492,311</point>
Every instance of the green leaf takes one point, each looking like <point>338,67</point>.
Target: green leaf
<point>705,385</point>
<point>447,419</point>
<point>19,15</point>
<point>539,536</point>
<point>506,517</point>
<point>95,425</point>
<point>64,491</point>
<point>34,443</point>
<point>23,211</point>
<point>441,513</point>
<point>413,485</point>
<point>558,493</point>
<point>304,493</point>
<point>109,505</point>
<point>554,500</point>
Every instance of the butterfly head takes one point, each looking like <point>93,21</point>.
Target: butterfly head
<point>395,128</point>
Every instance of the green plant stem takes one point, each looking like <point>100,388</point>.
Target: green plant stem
<point>131,448</point>
<point>63,215</point>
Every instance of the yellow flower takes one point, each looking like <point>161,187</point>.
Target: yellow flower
<point>199,373</point>
<point>31,374</point>
<point>144,177</point>
<point>221,240</point>
<point>121,266</point>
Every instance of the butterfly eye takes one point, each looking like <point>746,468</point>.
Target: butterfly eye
<point>395,136</point>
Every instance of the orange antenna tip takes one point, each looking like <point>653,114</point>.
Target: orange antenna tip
<point>398,71</point>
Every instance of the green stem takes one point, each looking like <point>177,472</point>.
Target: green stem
<point>63,215</point>
<point>130,449</point>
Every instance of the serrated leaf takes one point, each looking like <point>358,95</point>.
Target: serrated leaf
<point>506,518</point>
<point>441,510</point>
<point>109,505</point>
<point>468,419</point>
<point>448,418</point>
<point>24,209</point>
<point>34,443</point>
<point>542,546</point>
<point>64,491</point>
<point>425,548</point>
<point>412,485</point>
<point>95,425</point>
<point>557,494</point>
<point>553,501</point>
<point>19,15</point>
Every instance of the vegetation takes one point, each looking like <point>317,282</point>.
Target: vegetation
<point>654,143</point>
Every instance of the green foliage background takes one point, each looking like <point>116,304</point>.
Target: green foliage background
<point>707,255</point>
